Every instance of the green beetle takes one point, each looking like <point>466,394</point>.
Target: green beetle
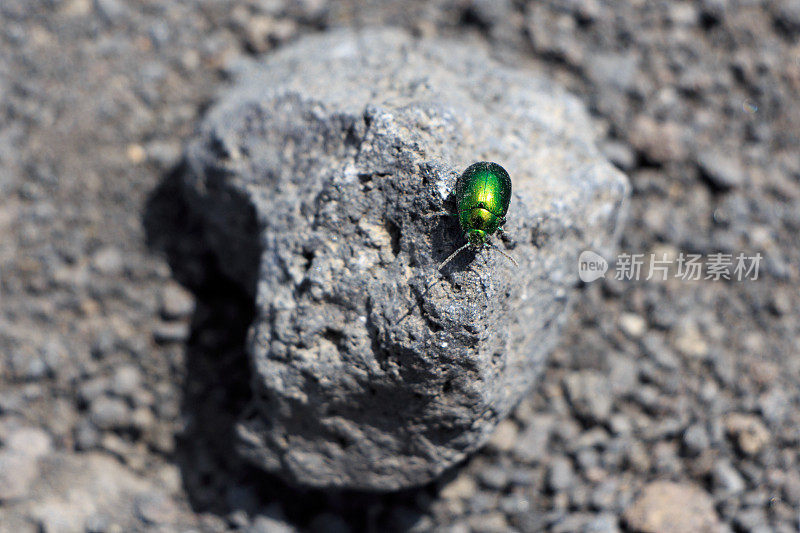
<point>483,193</point>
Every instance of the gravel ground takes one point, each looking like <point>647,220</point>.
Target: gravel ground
<point>122,344</point>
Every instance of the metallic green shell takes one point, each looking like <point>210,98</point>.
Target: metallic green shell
<point>483,193</point>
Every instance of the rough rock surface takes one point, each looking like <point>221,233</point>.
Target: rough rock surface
<point>324,178</point>
<point>89,492</point>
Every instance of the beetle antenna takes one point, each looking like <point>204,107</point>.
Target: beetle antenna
<point>505,254</point>
<point>452,256</point>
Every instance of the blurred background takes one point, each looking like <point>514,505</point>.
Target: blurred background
<point>121,346</point>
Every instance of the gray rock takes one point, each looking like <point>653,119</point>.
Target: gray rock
<point>514,503</point>
<point>752,520</point>
<point>463,487</point>
<point>577,522</point>
<point>561,475</point>
<point>659,142</point>
<point>605,495</point>
<point>176,302</point>
<point>587,459</point>
<point>726,479</point>
<point>774,405</point>
<point>109,261</point>
<point>168,332</point>
<point>126,381</point>
<point>482,502</point>
<point>623,376</point>
<point>155,508</point>
<point>269,524</point>
<point>29,441</point>
<point>619,153</point>
<point>504,437</point>
<point>324,178</point>
<point>696,438</point>
<point>110,413</point>
<point>748,432</point>
<point>90,390</point>
<point>86,436</point>
<point>164,154</point>
<point>723,170</point>
<point>27,365</point>
<point>603,523</point>
<point>488,523</point>
<point>664,506</point>
<point>494,477</point>
<point>589,394</point>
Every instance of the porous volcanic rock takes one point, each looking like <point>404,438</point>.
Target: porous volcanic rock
<point>325,178</point>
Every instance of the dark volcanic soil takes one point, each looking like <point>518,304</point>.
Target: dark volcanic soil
<point>121,344</point>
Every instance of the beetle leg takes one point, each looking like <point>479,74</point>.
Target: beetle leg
<point>507,256</point>
<point>500,229</point>
<point>452,256</point>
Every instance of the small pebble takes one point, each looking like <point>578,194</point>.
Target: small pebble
<point>667,507</point>
<point>514,504</point>
<point>176,302</point>
<point>493,477</point>
<point>108,261</point>
<point>462,487</point>
<point>127,379</point>
<point>136,153</point>
<point>660,142</point>
<point>30,441</point>
<point>504,437</point>
<point>267,524</point>
<point>748,432</point>
<point>690,341</point>
<point>605,495</point>
<point>110,413</point>
<point>752,520</point>
<point>603,523</point>
<point>726,479</point>
<point>531,446</point>
<point>171,332</point>
<point>633,325</point>
<point>155,508</point>
<point>696,438</point>
<point>560,475</point>
<point>620,154</point>
<point>723,169</point>
<point>86,436</point>
<point>489,523</point>
<point>143,419</point>
<point>589,394</point>
<point>164,154</point>
<point>93,389</point>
